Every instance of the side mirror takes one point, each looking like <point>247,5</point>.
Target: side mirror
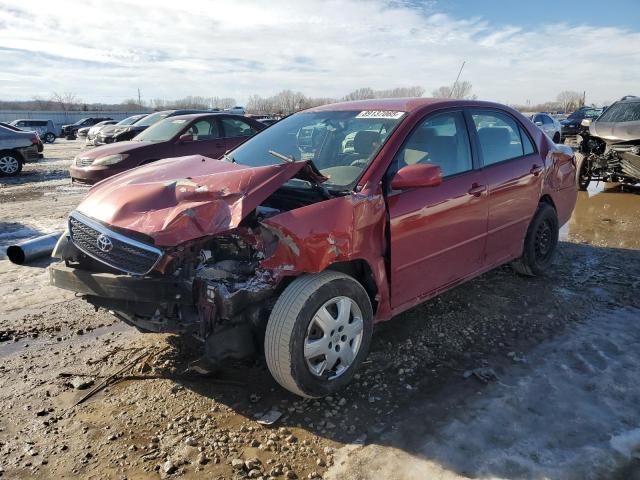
<point>185,137</point>
<point>417,175</point>
<point>539,123</point>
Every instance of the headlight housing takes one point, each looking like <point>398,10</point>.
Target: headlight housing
<point>110,159</point>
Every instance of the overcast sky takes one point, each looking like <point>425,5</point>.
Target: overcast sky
<point>105,50</point>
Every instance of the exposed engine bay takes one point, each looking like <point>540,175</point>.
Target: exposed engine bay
<point>609,161</point>
<point>212,288</point>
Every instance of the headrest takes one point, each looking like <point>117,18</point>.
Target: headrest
<point>495,136</point>
<point>366,141</point>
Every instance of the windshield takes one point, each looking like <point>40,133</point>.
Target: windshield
<point>341,144</point>
<point>153,118</point>
<point>622,112</point>
<point>128,120</point>
<point>81,121</point>
<point>162,131</point>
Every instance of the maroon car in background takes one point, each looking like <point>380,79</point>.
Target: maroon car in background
<point>208,134</point>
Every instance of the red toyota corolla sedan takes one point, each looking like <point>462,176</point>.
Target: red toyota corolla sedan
<point>307,234</point>
<point>209,134</point>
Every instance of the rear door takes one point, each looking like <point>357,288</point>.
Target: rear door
<point>206,139</point>
<point>236,131</point>
<point>437,233</point>
<point>512,169</point>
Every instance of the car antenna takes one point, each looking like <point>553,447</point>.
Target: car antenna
<point>457,78</point>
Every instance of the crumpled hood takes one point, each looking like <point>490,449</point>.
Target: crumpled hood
<point>179,199</point>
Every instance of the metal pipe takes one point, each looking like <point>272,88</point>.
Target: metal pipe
<point>30,250</point>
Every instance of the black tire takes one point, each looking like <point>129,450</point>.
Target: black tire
<point>290,323</point>
<point>583,173</point>
<point>556,138</point>
<point>540,243</point>
<point>50,137</point>
<point>10,164</point>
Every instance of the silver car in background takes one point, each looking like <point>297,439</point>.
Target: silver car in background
<point>16,148</point>
<point>45,128</point>
<point>548,125</point>
<point>105,135</point>
<point>92,133</point>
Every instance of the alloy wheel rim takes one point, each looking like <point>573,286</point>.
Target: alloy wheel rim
<point>9,164</point>
<point>333,338</point>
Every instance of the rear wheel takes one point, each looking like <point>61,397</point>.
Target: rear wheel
<point>318,333</point>
<point>540,243</point>
<point>556,138</point>
<point>10,164</point>
<point>583,173</point>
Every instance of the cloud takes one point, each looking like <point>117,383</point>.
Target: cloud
<point>106,50</point>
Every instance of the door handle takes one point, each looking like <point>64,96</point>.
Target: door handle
<point>535,170</point>
<point>477,190</point>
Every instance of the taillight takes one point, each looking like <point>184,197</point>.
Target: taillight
<point>35,140</point>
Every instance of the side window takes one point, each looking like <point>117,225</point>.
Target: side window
<point>204,130</point>
<point>237,128</point>
<point>526,142</point>
<point>499,136</point>
<point>546,119</point>
<point>441,140</point>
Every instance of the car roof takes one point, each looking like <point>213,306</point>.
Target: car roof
<point>402,104</point>
<point>190,116</point>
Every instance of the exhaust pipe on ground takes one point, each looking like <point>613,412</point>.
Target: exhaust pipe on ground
<point>33,249</point>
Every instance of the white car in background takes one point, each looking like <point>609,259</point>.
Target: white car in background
<point>548,125</point>
<point>236,110</point>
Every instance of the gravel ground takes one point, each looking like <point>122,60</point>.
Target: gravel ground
<point>435,375</point>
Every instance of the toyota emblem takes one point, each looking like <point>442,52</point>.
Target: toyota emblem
<point>104,243</point>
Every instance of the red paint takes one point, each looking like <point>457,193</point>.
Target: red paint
<point>417,241</point>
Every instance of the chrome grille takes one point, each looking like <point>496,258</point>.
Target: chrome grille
<point>83,162</point>
<point>126,254</point>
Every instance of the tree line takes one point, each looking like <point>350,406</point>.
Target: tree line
<point>282,103</point>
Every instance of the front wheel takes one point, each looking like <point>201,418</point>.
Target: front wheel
<point>10,164</point>
<point>540,243</point>
<point>318,333</point>
<point>583,173</point>
<point>50,137</point>
<point>556,138</point>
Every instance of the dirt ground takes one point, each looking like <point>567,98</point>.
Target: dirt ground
<point>503,377</point>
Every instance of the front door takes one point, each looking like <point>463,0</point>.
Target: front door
<point>437,233</point>
<point>512,170</point>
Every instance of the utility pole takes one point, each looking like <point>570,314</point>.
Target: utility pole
<point>139,99</point>
<point>457,78</point>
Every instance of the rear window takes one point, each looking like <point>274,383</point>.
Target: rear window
<point>622,112</point>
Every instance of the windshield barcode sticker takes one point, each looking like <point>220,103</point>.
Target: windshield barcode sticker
<point>380,114</point>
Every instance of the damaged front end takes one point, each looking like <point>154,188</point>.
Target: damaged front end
<point>194,263</point>
<point>611,161</point>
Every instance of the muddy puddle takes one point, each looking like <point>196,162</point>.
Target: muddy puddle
<point>606,215</point>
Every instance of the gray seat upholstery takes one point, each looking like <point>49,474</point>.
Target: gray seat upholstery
<point>496,144</point>
<point>426,146</point>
